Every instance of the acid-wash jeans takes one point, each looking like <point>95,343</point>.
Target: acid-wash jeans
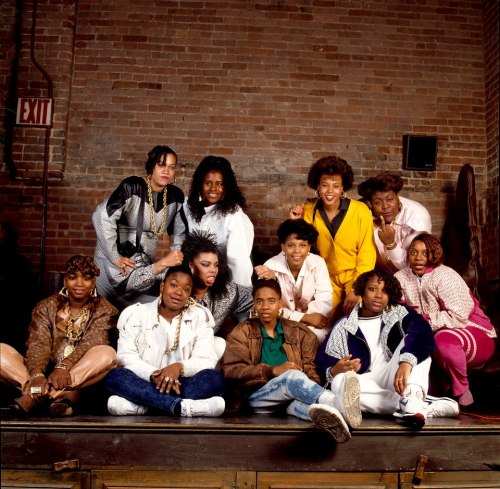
<point>125,383</point>
<point>292,387</point>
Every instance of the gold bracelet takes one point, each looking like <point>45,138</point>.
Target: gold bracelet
<point>391,246</point>
<point>62,365</point>
<point>35,376</point>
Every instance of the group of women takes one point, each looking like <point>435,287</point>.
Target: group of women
<point>146,228</point>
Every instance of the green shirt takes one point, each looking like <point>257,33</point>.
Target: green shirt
<point>272,352</point>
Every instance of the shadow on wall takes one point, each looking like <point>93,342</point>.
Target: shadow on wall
<point>18,290</point>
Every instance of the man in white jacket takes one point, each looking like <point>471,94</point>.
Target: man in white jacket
<point>167,355</point>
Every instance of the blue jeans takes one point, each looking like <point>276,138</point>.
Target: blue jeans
<point>125,383</point>
<point>292,387</point>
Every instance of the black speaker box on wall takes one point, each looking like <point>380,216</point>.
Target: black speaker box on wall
<point>419,152</point>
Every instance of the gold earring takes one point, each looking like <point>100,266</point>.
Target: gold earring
<point>343,195</point>
<point>316,194</point>
<point>253,314</point>
<point>94,292</point>
<point>64,292</point>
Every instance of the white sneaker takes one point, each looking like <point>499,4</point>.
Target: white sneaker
<point>210,408</point>
<point>119,406</point>
<point>330,419</point>
<point>412,409</point>
<point>348,399</point>
<point>441,407</point>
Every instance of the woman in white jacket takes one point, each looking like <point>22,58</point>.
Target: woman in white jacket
<point>397,220</point>
<point>167,355</point>
<point>215,204</point>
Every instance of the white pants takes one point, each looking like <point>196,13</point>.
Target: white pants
<point>377,394</point>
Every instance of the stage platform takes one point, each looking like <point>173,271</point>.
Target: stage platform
<point>279,451</point>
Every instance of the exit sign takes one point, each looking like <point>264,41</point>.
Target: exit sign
<point>34,111</point>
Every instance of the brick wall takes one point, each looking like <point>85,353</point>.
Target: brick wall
<point>490,204</point>
<point>271,85</point>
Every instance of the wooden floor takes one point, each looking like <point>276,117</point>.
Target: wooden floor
<point>257,443</point>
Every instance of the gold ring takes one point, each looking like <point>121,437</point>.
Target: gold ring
<point>167,379</point>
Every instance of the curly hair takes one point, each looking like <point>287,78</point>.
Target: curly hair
<point>330,165</point>
<point>157,155</point>
<point>384,182</point>
<point>435,254</point>
<point>392,287</point>
<point>202,241</point>
<point>233,197</point>
<point>83,264</point>
<point>298,228</point>
<point>270,283</point>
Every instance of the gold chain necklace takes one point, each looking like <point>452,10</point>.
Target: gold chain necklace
<point>152,220</point>
<point>178,329</point>
<point>73,339</point>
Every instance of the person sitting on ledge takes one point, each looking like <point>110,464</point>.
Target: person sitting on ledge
<point>465,337</point>
<point>270,361</point>
<point>212,286</point>
<point>303,277</point>
<point>139,230</point>
<point>397,220</point>
<point>167,355</point>
<point>388,347</point>
<point>67,347</point>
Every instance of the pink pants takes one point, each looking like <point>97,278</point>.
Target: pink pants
<point>458,349</point>
<point>91,368</point>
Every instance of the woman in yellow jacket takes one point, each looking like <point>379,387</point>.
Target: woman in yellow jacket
<point>345,228</point>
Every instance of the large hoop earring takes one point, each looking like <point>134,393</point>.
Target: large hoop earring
<point>64,292</point>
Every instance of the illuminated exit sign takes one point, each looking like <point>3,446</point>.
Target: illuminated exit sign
<point>34,111</point>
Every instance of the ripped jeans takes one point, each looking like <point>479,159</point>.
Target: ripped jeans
<point>292,388</point>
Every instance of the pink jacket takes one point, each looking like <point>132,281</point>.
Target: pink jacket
<point>443,298</point>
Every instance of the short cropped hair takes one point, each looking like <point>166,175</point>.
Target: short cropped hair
<point>157,155</point>
<point>299,228</point>
<point>83,264</point>
<point>392,286</point>
<point>381,183</point>
<point>183,268</point>
<point>435,254</point>
<point>270,283</point>
<point>330,165</point>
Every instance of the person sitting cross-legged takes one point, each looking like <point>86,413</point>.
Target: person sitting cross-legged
<point>167,355</point>
<point>269,361</point>
<point>68,345</point>
<point>388,346</point>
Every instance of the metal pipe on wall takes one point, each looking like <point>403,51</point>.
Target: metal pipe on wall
<point>48,133</point>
